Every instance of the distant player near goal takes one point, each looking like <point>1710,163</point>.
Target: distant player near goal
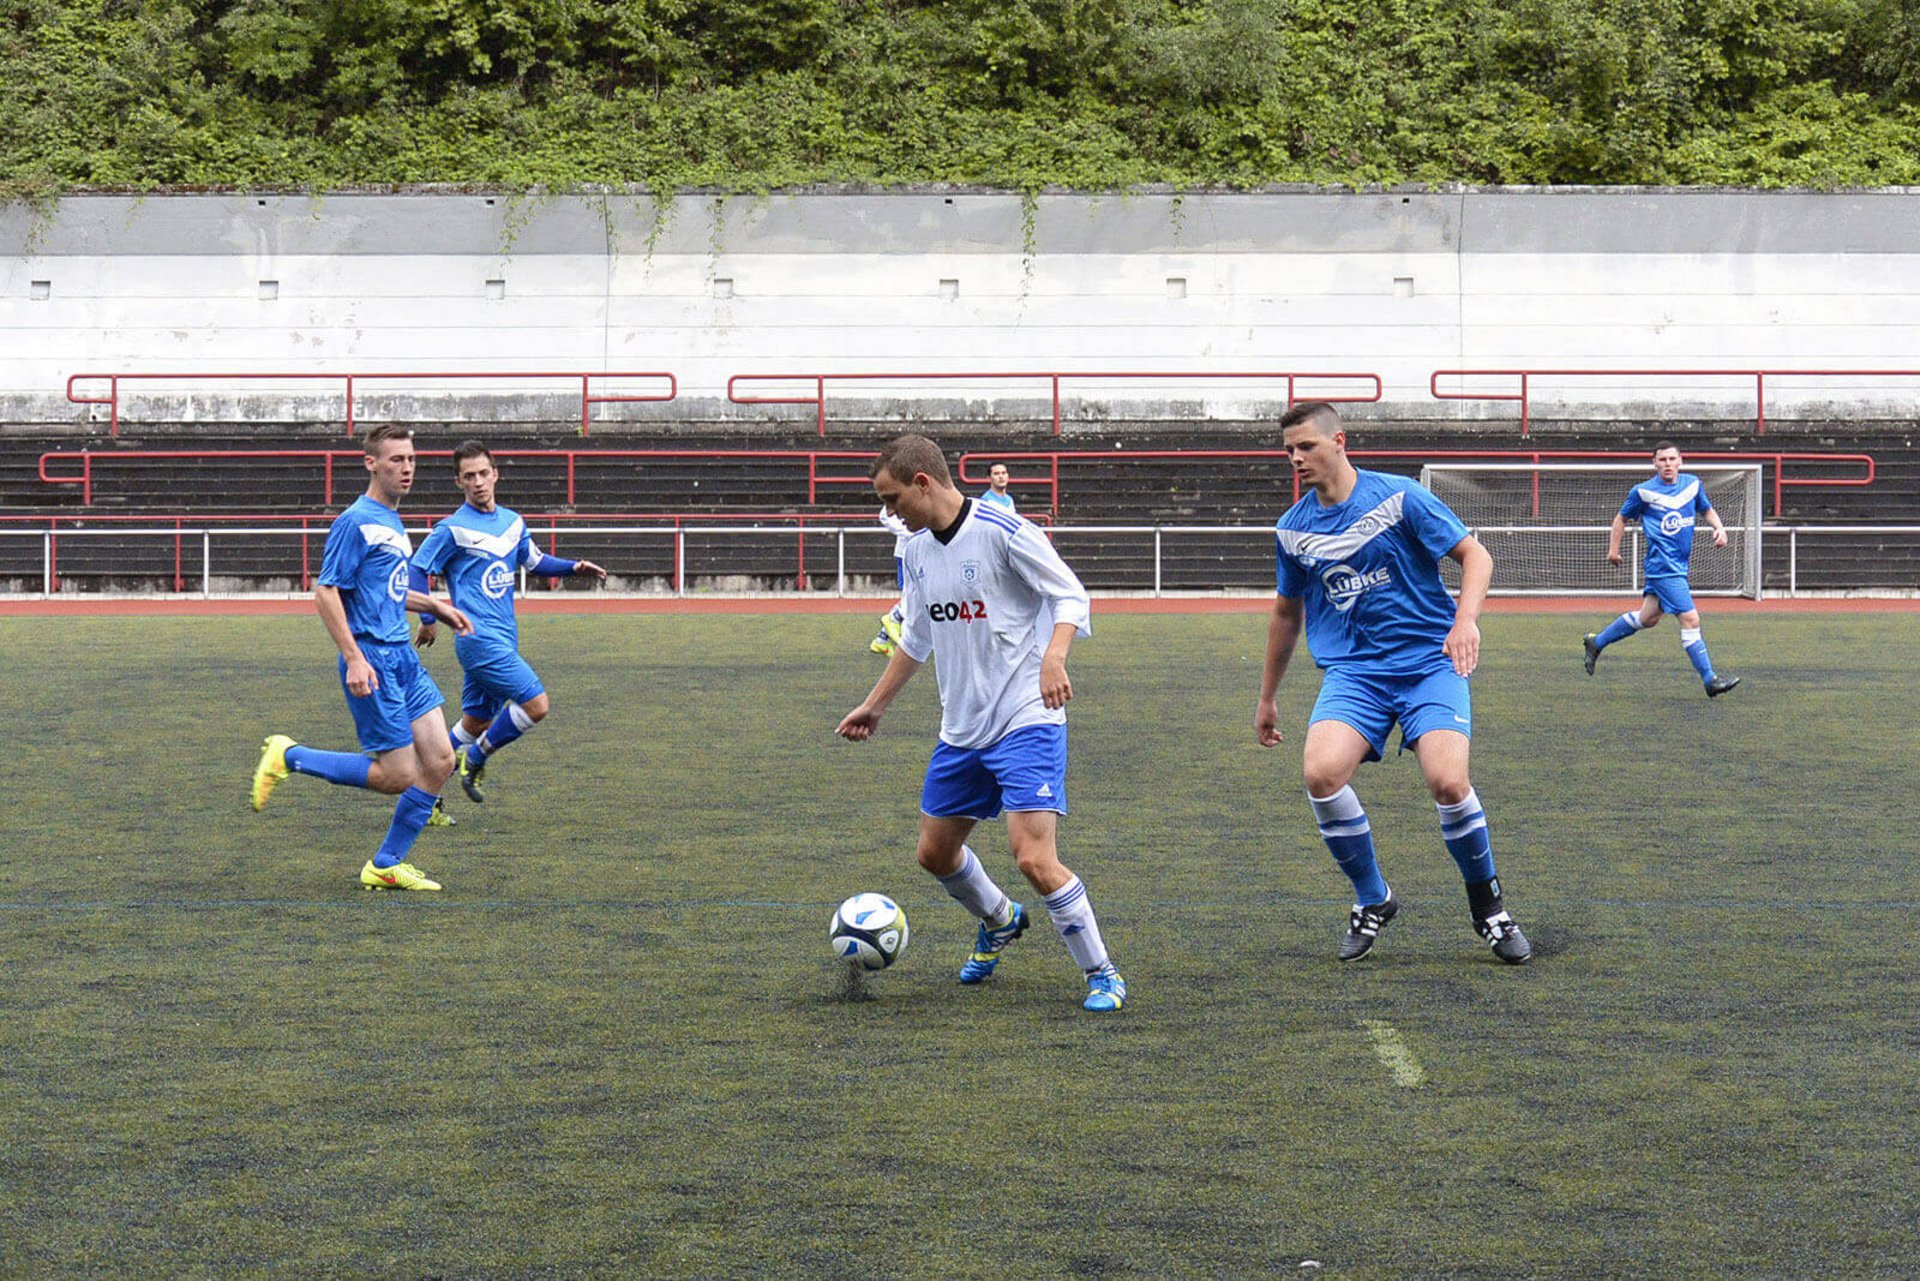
<point>988,591</point>
<point>1667,506</point>
<point>1358,570</point>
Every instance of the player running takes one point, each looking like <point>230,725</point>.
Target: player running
<point>479,550</point>
<point>989,592</point>
<point>365,589</point>
<point>1358,561</point>
<point>1680,501</point>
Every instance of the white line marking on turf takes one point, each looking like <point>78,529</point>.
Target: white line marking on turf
<point>1394,1052</point>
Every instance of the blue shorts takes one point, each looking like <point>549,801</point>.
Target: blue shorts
<point>1371,705</point>
<point>1674,594</point>
<point>1026,770</point>
<point>495,677</point>
<point>384,718</point>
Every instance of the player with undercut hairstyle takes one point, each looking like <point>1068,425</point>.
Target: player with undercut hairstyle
<point>480,550</point>
<point>367,584</point>
<point>1358,567</point>
<point>985,590</point>
<point>1668,506</point>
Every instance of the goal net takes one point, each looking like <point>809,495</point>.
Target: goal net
<point>1546,526</point>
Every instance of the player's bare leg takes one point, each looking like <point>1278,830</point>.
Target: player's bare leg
<point>943,852</point>
<point>1034,835</point>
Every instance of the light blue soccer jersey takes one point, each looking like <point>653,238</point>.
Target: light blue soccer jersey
<point>479,554</point>
<point>366,558</point>
<point>1368,573</point>
<point>1667,514</point>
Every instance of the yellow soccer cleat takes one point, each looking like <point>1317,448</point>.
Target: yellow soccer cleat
<point>891,627</point>
<point>440,817</point>
<point>881,646</point>
<point>401,876</point>
<point>271,769</point>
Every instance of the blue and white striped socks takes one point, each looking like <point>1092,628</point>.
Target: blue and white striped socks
<point>1619,629</point>
<point>1344,827</point>
<point>974,890</point>
<point>1072,915</point>
<point>1464,828</point>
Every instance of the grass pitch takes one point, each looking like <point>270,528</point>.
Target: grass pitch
<point>616,1044</point>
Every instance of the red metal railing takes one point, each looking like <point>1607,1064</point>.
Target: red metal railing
<point>1526,376</point>
<point>1780,461</point>
<point>309,528</point>
<point>1054,378</point>
<point>82,473</point>
<point>588,399</point>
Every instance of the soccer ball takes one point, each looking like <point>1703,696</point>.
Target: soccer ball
<point>869,931</point>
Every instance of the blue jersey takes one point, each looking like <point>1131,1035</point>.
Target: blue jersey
<point>1368,573</point>
<point>1669,532</point>
<point>366,558</point>
<point>479,554</point>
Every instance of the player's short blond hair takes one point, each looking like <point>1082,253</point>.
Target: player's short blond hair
<point>905,457</point>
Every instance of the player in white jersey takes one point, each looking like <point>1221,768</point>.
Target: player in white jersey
<point>893,620</point>
<point>988,591</point>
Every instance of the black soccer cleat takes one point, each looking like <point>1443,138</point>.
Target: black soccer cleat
<point>1720,685</point>
<point>1503,934</point>
<point>1591,643</point>
<point>1364,924</point>
<point>470,777</point>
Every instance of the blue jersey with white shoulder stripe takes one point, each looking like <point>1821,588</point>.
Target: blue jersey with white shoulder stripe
<point>1667,514</point>
<point>366,558</point>
<point>1368,572</point>
<point>480,555</point>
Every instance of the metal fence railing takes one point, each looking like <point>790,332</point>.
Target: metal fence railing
<point>679,558</point>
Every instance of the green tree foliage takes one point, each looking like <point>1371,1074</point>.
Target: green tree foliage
<point>754,94</point>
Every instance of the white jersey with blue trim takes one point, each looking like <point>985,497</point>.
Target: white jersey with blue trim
<point>366,558</point>
<point>1667,515</point>
<point>898,528</point>
<point>986,601</point>
<point>480,553</point>
<point>1368,570</point>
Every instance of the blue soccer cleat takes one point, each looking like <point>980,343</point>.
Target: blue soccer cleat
<point>1105,993</point>
<point>988,945</point>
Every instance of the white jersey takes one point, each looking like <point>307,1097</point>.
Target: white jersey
<point>898,528</point>
<point>988,600</point>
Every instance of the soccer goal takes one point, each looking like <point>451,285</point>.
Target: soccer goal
<point>1546,525</point>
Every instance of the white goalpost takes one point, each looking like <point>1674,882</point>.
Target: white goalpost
<point>1546,525</point>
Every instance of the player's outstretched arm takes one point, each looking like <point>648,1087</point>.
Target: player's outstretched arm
<point>1283,634</point>
<point>588,567</point>
<point>1476,575</point>
<point>420,602</point>
<point>858,725</point>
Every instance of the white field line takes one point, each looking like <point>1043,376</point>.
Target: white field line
<point>1395,1054</point>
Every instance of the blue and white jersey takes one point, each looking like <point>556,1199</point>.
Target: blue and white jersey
<point>1667,514</point>
<point>366,558</point>
<point>479,554</point>
<point>998,499</point>
<point>987,600</point>
<point>1368,571</point>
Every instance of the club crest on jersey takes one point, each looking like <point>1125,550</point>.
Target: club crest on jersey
<point>970,570</point>
<point>1673,522</point>
<point>1344,584</point>
<point>397,583</point>
<point>496,580</point>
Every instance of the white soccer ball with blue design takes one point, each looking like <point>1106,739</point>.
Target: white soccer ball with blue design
<point>869,931</point>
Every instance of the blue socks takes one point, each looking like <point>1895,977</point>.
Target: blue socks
<point>1344,827</point>
<point>349,769</point>
<point>1696,648</point>
<point>410,814</point>
<point>1619,629</point>
<point>510,724</point>
<point>1464,828</point>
